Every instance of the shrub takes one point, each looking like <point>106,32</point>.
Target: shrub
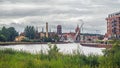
<point>53,51</point>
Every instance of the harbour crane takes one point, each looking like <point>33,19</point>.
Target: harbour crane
<point>81,27</point>
<point>79,31</point>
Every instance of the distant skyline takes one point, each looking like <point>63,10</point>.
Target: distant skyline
<point>68,13</point>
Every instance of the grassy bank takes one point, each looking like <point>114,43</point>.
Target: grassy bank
<point>14,59</point>
<point>18,59</point>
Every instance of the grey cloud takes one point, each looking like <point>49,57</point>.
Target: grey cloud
<point>64,12</point>
<point>23,1</point>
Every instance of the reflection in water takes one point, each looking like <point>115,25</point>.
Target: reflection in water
<point>64,48</point>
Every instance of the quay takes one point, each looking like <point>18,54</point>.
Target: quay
<point>97,45</point>
<point>18,43</point>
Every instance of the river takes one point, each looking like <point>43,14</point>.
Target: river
<point>69,48</point>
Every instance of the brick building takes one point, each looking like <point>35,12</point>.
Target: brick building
<point>113,25</point>
<point>59,29</point>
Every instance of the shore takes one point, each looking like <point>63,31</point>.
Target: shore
<point>17,43</point>
<point>98,45</point>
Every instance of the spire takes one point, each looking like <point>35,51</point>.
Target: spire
<point>42,29</point>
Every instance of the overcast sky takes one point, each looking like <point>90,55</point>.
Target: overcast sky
<point>68,13</point>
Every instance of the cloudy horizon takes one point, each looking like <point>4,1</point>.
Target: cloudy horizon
<point>68,13</point>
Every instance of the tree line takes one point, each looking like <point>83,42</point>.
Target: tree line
<point>9,34</point>
<point>31,34</point>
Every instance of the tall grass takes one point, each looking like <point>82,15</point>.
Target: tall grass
<point>18,59</point>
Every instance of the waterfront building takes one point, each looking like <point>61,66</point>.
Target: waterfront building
<point>113,25</point>
<point>42,35</point>
<point>52,34</point>
<point>63,38</point>
<point>71,36</point>
<point>19,38</point>
<point>59,29</point>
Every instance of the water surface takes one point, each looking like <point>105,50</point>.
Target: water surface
<point>64,48</point>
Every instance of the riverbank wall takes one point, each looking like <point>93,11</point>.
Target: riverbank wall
<point>18,43</point>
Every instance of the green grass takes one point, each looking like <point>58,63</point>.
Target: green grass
<point>18,59</point>
<point>15,59</point>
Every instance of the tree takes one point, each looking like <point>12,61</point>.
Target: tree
<point>2,38</point>
<point>9,33</point>
<point>5,32</point>
<point>56,38</point>
<point>30,32</point>
<point>12,33</point>
<point>53,51</point>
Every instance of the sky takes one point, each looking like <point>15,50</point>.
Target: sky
<point>68,13</point>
